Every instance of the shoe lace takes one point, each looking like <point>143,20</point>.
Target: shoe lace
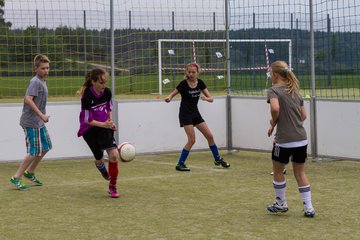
<point>34,179</point>
<point>310,210</point>
<point>19,183</point>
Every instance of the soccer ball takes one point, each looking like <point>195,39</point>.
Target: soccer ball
<point>126,152</point>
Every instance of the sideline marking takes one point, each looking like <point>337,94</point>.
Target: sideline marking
<point>178,174</point>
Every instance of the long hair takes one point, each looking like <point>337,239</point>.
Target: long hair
<point>92,76</point>
<point>192,65</point>
<point>283,69</point>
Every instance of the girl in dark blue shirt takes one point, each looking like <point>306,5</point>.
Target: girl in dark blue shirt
<point>190,90</point>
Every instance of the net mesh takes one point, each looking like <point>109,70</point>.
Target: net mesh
<point>76,36</point>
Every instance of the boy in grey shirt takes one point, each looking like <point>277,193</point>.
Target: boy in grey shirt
<point>33,121</point>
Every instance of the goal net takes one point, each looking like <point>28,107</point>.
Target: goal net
<point>247,57</point>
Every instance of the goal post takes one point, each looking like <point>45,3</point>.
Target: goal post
<point>174,54</point>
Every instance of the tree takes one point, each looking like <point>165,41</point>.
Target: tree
<point>3,24</point>
<point>4,29</point>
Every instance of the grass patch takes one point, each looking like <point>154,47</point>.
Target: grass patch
<point>158,202</point>
<point>142,86</point>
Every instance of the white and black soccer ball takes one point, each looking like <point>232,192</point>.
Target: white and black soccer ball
<point>126,152</point>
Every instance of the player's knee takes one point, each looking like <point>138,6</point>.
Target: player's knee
<point>191,141</point>
<point>113,158</point>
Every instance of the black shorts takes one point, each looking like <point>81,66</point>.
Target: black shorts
<point>190,120</point>
<point>283,155</point>
<point>99,139</point>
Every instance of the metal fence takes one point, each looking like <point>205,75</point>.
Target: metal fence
<point>123,37</point>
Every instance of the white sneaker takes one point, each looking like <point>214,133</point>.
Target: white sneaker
<point>310,212</point>
<point>275,207</point>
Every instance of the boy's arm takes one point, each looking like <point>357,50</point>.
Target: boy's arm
<point>29,100</point>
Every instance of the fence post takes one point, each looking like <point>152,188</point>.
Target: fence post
<point>328,50</point>
<point>253,51</point>
<point>37,33</point>
<point>297,46</point>
<point>172,47</point>
<point>228,80</point>
<point>131,65</point>
<point>313,92</point>
<point>85,53</point>
<point>112,47</point>
<point>208,53</point>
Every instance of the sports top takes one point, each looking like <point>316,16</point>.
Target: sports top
<point>38,89</point>
<point>94,107</point>
<point>289,125</point>
<point>190,98</point>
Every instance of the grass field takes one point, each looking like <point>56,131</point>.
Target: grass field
<point>143,86</point>
<point>158,202</point>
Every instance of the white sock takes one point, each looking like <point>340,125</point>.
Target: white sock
<point>280,191</point>
<point>306,196</point>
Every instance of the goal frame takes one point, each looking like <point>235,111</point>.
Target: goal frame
<point>160,41</point>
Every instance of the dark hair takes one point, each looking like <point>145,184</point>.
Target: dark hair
<point>92,76</point>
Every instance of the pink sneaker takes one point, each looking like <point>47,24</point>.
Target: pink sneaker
<point>113,192</point>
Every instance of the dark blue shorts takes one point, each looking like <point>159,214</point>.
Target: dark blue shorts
<point>190,121</point>
<point>283,155</point>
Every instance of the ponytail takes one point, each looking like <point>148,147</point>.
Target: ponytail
<point>292,83</point>
<point>93,75</point>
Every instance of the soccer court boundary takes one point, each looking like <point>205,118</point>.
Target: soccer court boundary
<point>202,170</point>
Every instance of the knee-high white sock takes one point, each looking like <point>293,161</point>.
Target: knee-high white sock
<point>280,192</point>
<point>306,196</point>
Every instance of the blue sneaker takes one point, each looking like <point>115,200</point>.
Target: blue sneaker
<point>310,212</point>
<point>275,207</point>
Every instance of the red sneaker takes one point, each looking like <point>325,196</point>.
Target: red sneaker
<point>113,192</point>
